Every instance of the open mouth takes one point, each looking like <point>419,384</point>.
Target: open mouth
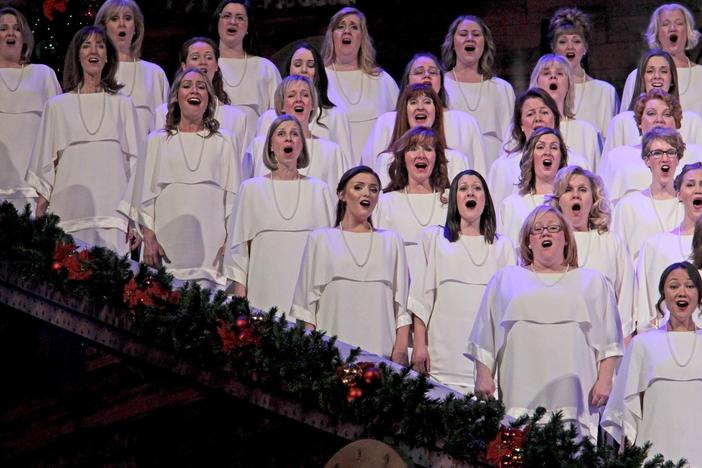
<point>665,168</point>
<point>93,60</point>
<point>346,41</point>
<point>657,84</point>
<point>682,303</point>
<point>570,55</point>
<point>471,204</point>
<point>469,48</point>
<point>11,42</point>
<point>697,202</point>
<point>232,30</point>
<point>546,243</point>
<point>673,38</point>
<point>194,100</point>
<point>299,109</point>
<point>421,165</point>
<point>547,162</point>
<point>365,203</point>
<point>122,34</point>
<point>553,86</point>
<point>576,207</point>
<point>287,149</point>
<point>421,117</point>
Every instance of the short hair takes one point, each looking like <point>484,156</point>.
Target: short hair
<point>570,250</point>
<point>527,177</point>
<point>677,183</point>
<point>404,82</point>
<point>553,59</point>
<point>655,93</point>
<point>668,135</point>
<point>487,60</point>
<point>366,53</point>
<point>692,272</point>
<point>217,79</point>
<point>341,186</point>
<point>399,177</point>
<point>73,70</point>
<point>282,89</point>
<point>269,160</point>
<point>600,215</point>
<point>488,218</point>
<point>173,116</point>
<point>518,135</point>
<point>248,42</point>
<point>321,82</point>
<point>570,21</point>
<point>27,34</point>
<point>110,7</point>
<point>693,36</point>
<point>402,120</point>
<point>640,86</point>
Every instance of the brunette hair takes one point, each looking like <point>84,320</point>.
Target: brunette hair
<point>402,120</point>
<point>341,186</point>
<point>488,218</point>
<point>518,135</point>
<point>73,70</point>
<point>570,250</point>
<point>640,86</point>
<point>527,177</point>
<point>487,60</point>
<point>692,272</point>
<point>209,121</point>
<point>27,34</point>
<point>404,82</point>
<point>668,135</point>
<point>217,79</point>
<point>320,82</point>
<point>249,40</point>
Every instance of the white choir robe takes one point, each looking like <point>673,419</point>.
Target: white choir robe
<point>250,82</point>
<point>543,336</point>
<point>446,294</point>
<point>329,124</point>
<point>491,103</point>
<point>363,98</point>
<point>514,210</point>
<point>185,194</point>
<point>327,162</point>
<point>622,130</point>
<point>20,117</point>
<point>147,85</point>
<point>456,162</point>
<point>596,102</point>
<point>85,176</point>
<point>361,305</point>
<point>461,130</point>
<point>689,87</point>
<point>623,169</point>
<point>637,217</point>
<point>265,249</point>
<point>656,400</point>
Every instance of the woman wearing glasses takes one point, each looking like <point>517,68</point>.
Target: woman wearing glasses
<point>547,310</point>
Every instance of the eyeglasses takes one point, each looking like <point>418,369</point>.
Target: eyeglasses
<point>658,154</point>
<point>552,228</point>
<point>237,18</point>
<point>421,71</point>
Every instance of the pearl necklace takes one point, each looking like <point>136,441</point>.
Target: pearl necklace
<point>672,354</point>
<point>19,82</point>
<point>470,256</point>
<point>102,115</point>
<point>185,157</point>
<point>548,285</point>
<point>689,77</point>
<point>341,88</point>
<point>297,199</point>
<point>414,213</point>
<point>134,76</point>
<point>348,247</point>
<point>480,91</point>
<point>246,65</point>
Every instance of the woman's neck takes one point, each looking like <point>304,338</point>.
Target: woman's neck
<point>685,325</point>
<point>90,84</point>
<point>470,227</point>
<point>579,74</point>
<point>557,266</point>
<point>543,187</point>
<point>10,62</point>
<point>231,50</point>
<point>355,224</point>
<point>467,72</point>
<point>662,191</point>
<point>125,56</point>
<point>681,60</point>
<point>419,186</point>
<point>190,124</point>
<point>346,62</point>
<point>687,227</point>
<point>286,172</point>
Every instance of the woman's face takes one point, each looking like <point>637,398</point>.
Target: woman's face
<point>202,56</point>
<point>547,157</point>
<point>425,70</point>
<point>302,63</point>
<point>192,95</point>
<point>93,55</point>
<point>656,114</point>
<point>421,111</point>
<point>547,247</point>
<point>233,24</point>
<point>469,42</point>
<point>286,143</point>
<point>554,80</point>
<point>681,295</point>
<point>663,166</point>
<point>120,28</point>
<point>572,47</point>
<point>419,160</point>
<point>11,39</point>
<point>672,31</point>
<point>470,198</point>
<point>347,36</point>
<point>576,202</point>
<point>690,194</point>
<point>657,74</point>
<point>298,101</point>
<point>361,196</point>
<point>535,114</point>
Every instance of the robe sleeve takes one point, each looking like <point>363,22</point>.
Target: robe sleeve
<point>378,139</point>
<point>45,154</point>
<point>605,332</point>
<point>624,286</point>
<point>306,295</point>
<point>236,257</point>
<point>340,133</point>
<point>482,343</point>
<point>644,307</point>
<point>272,80</point>
<point>401,285</point>
<point>423,288</point>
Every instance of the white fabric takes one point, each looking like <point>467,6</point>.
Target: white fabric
<point>455,163</point>
<point>494,99</point>
<point>637,217</point>
<point>85,176</point>
<point>446,295</point>
<point>146,84</point>
<point>333,125</point>
<point>689,87</point>
<point>607,254</point>
<point>657,253</point>
<point>655,400</point>
<point>623,169</point>
<point>545,342</point>
<point>266,249</point>
<point>256,88</point>
<point>363,306</point>
<point>596,102</point>
<point>327,163</point>
<point>375,95</point>
<point>513,211</point>
<point>461,131</point>
<point>622,130</point>
<point>20,116</point>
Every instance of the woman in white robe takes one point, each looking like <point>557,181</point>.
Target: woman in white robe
<point>296,96</point>
<point>455,264</point>
<point>360,88</point>
<point>548,330</point>
<point>580,196</point>
<point>544,155</point>
<point>24,90</point>
<point>656,395</point>
<point>87,147</point>
<point>186,185</point>
<point>665,248</point>
<point>658,71</point>
<point>353,282</point>
<point>595,101</point>
<point>672,28</point>
<point>415,196</point>
<point>623,169</point>
<point>143,81</point>
<point>468,54</point>
<point>272,217</point>
<point>460,129</point>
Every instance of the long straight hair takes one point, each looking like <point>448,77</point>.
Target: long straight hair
<point>488,218</point>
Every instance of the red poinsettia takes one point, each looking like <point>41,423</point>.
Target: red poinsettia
<point>52,6</point>
<point>77,264</point>
<point>229,338</point>
<point>506,449</point>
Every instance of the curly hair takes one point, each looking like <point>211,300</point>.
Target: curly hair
<point>366,53</point>
<point>209,121</point>
<point>570,249</point>
<point>110,7</point>
<point>518,135</point>
<point>408,93</point>
<point>693,36</point>
<point>561,62</point>
<point>655,93</point>
<point>600,215</point>
<point>73,70</point>
<point>640,86</point>
<point>487,60</point>
<point>527,177</point>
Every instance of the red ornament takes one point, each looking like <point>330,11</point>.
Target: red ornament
<point>229,339</point>
<point>242,322</point>
<point>353,394</point>
<point>506,449</point>
<point>56,266</point>
<point>249,337</point>
<point>371,375</point>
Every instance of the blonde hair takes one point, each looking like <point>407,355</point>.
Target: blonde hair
<point>27,34</point>
<point>173,116</point>
<point>366,53</point>
<point>693,36</point>
<point>570,250</point>
<point>600,215</point>
<point>282,89</point>
<point>570,21</point>
<point>112,6</point>
<point>269,160</point>
<point>552,59</point>
<point>527,177</point>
